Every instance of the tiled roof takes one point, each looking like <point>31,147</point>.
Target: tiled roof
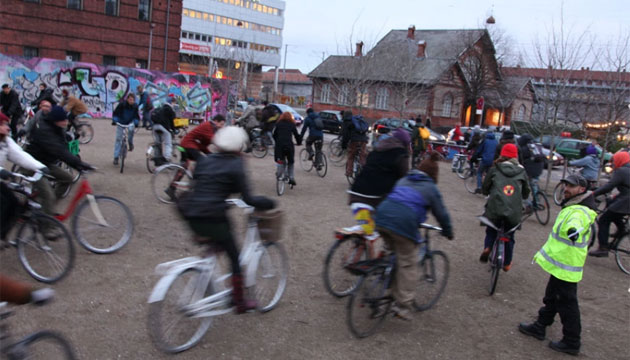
<point>292,76</point>
<point>582,74</point>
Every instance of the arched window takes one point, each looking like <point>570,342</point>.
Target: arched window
<point>325,94</point>
<point>382,96</point>
<point>343,96</point>
<point>520,116</point>
<point>447,105</point>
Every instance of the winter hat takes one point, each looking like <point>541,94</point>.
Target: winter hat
<point>430,166</point>
<point>620,159</point>
<point>309,110</point>
<point>402,135</point>
<point>591,150</point>
<point>347,114</point>
<point>57,113</point>
<point>4,118</point>
<point>507,135</point>
<point>509,151</point>
<point>230,139</point>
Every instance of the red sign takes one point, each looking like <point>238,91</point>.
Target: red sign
<point>480,103</point>
<point>194,47</point>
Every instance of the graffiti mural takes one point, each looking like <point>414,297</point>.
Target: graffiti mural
<point>102,87</point>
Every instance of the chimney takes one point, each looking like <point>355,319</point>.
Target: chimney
<point>411,32</point>
<point>422,46</point>
<point>359,50</point>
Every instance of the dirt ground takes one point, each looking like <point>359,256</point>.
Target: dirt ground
<point>101,306</point>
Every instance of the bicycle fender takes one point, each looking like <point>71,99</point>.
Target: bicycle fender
<point>159,290</point>
<point>250,279</point>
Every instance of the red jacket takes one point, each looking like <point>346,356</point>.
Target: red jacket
<point>457,135</point>
<point>200,137</point>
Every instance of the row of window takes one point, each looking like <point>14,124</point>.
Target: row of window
<point>108,60</point>
<point>229,42</point>
<point>230,21</point>
<point>111,7</point>
<point>361,98</point>
<point>254,5</point>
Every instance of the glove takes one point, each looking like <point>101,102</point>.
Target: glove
<point>573,234</point>
<point>5,174</point>
<point>85,167</point>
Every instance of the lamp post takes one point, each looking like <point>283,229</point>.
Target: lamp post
<point>150,44</point>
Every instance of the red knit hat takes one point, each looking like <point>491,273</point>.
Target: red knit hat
<point>509,151</point>
<point>620,159</point>
<point>4,118</point>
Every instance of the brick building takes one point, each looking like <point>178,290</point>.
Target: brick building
<point>294,87</point>
<point>107,32</point>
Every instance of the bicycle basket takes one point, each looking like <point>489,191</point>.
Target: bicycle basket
<point>180,122</point>
<point>73,146</point>
<point>270,224</point>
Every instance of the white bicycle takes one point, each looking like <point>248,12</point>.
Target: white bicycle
<point>193,290</point>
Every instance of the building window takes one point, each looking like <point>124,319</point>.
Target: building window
<point>73,56</point>
<point>185,12</point>
<point>31,52</point>
<point>141,64</point>
<point>520,116</point>
<point>75,4</point>
<point>447,105</point>
<point>144,10</point>
<point>109,60</point>
<point>325,94</point>
<point>111,7</point>
<point>363,98</point>
<point>381,98</point>
<point>342,98</point>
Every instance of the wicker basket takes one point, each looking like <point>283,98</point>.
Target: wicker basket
<point>270,224</point>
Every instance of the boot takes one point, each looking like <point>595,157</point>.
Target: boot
<point>534,329</point>
<point>563,347</point>
<point>600,252</point>
<point>238,298</point>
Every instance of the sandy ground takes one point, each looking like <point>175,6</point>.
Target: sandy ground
<point>101,305</point>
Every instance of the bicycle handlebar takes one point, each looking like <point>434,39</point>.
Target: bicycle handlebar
<point>5,174</point>
<point>430,227</point>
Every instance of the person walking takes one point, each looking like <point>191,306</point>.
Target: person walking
<point>126,113</point>
<point>315,133</point>
<point>563,257</point>
<point>10,103</point>
<point>485,151</point>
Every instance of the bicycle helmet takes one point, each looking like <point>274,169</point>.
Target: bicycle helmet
<point>230,139</point>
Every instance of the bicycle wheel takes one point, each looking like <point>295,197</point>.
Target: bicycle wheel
<point>170,326</point>
<point>44,344</point>
<point>123,155</point>
<point>86,133</point>
<point>496,263</point>
<point>334,145</point>
<point>337,154</point>
<point>45,248</point>
<point>368,305</point>
<point>102,226</point>
<point>470,182</point>
<point>558,193</point>
<point>280,186</point>
<point>271,276</point>
<point>434,269</point>
<point>163,180</point>
<point>542,208</point>
<point>150,154</point>
<point>338,281</point>
<point>461,169</point>
<point>259,149</point>
<point>622,253</point>
<point>322,170</point>
<point>305,162</point>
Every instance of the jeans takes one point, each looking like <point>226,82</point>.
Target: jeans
<point>482,170</point>
<point>318,147</point>
<point>119,136</point>
<point>491,237</point>
<point>146,118</point>
<point>163,137</point>
<point>561,298</point>
<point>407,276</point>
<point>47,195</point>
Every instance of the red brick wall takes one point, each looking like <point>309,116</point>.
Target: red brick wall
<point>55,29</point>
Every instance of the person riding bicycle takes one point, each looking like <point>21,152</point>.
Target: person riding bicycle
<point>144,101</point>
<point>384,166</point>
<point>619,206</point>
<point>589,164</point>
<point>563,257</point>
<point>507,137</point>
<point>44,109</point>
<point>163,128</point>
<point>506,187</point>
<point>216,177</point>
<point>419,140</point>
<point>353,139</point>
<point>397,220</point>
<point>284,151</point>
<point>533,162</point>
<point>315,135</point>
<point>269,116</point>
<point>249,120</point>
<point>11,107</point>
<point>485,151</point>
<point>126,113</point>
<point>48,144</point>
<point>44,94</point>
<point>73,106</point>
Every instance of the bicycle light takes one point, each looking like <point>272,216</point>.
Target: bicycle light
<point>504,239</point>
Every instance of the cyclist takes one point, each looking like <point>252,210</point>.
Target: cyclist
<point>563,257</point>
<point>533,161</point>
<point>507,137</point>
<point>506,187</point>
<point>620,204</point>
<point>354,140</point>
<point>44,94</point>
<point>44,109</point>
<point>73,106</point>
<point>284,149</point>
<point>145,101</point>
<point>485,151</point>
<point>268,117</point>
<point>420,140</point>
<point>589,164</point>
<point>163,127</point>
<point>386,164</point>
<point>249,120</point>
<point>314,135</point>
<point>216,177</point>
<point>397,219</point>
<point>126,113</point>
<point>10,102</point>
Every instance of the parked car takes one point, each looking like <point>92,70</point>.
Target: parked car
<point>393,123</point>
<point>545,140</point>
<point>240,107</point>
<point>332,120</point>
<point>283,108</point>
<point>573,149</point>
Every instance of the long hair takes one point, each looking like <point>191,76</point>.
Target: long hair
<point>286,116</point>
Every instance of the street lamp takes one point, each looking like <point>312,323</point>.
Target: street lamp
<point>150,44</point>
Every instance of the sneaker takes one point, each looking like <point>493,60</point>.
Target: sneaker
<point>130,147</point>
<point>563,347</point>
<point>115,161</point>
<point>42,296</point>
<point>401,312</point>
<point>484,255</point>
<point>534,330</point>
<point>600,252</point>
<point>507,267</point>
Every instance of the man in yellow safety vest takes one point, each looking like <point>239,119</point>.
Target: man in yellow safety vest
<point>563,257</point>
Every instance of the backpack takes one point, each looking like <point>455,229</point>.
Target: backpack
<point>319,123</point>
<point>359,124</point>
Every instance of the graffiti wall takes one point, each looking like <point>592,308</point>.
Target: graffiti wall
<point>102,87</point>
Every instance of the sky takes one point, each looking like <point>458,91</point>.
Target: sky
<point>315,29</point>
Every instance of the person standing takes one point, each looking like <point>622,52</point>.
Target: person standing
<point>354,140</point>
<point>126,113</point>
<point>563,257</point>
<point>314,134</point>
<point>147,106</point>
<point>10,102</point>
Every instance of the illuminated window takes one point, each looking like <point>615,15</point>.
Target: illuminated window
<point>205,16</point>
<point>191,13</point>
<point>447,105</point>
<point>247,4</point>
<point>229,21</point>
<point>222,42</point>
<point>223,20</point>
<point>264,8</point>
<point>275,11</point>
<point>218,19</point>
<point>211,17</point>
<point>381,98</point>
<point>363,98</point>
<point>231,2</point>
<point>185,12</point>
<point>325,93</point>
<point>198,15</point>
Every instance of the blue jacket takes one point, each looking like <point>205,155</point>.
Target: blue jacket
<point>486,149</point>
<point>406,206</point>
<point>309,123</point>
<point>125,113</point>
<point>590,166</point>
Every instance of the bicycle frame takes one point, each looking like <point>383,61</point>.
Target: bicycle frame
<point>85,190</point>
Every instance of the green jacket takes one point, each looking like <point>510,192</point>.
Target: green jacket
<point>506,185</point>
<point>563,255</point>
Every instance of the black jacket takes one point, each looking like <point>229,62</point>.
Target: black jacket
<point>48,144</point>
<point>10,103</point>
<point>621,181</point>
<point>534,164</point>
<point>164,116</point>
<point>216,177</point>
<point>46,94</point>
<point>350,134</point>
<point>282,134</point>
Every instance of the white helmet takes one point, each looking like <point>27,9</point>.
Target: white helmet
<point>230,139</point>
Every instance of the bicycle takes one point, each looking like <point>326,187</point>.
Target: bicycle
<point>539,204</point>
<point>155,159</point>
<point>620,243</point>
<point>458,166</point>
<point>497,254</point>
<point>84,129</point>
<point>44,246</point>
<point>123,145</point>
<point>261,143</point>
<point>470,178</point>
<point>193,290</point>
<point>337,154</point>
<point>308,161</point>
<point>44,344</point>
<point>372,293</point>
<point>282,181</point>
<point>170,181</point>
